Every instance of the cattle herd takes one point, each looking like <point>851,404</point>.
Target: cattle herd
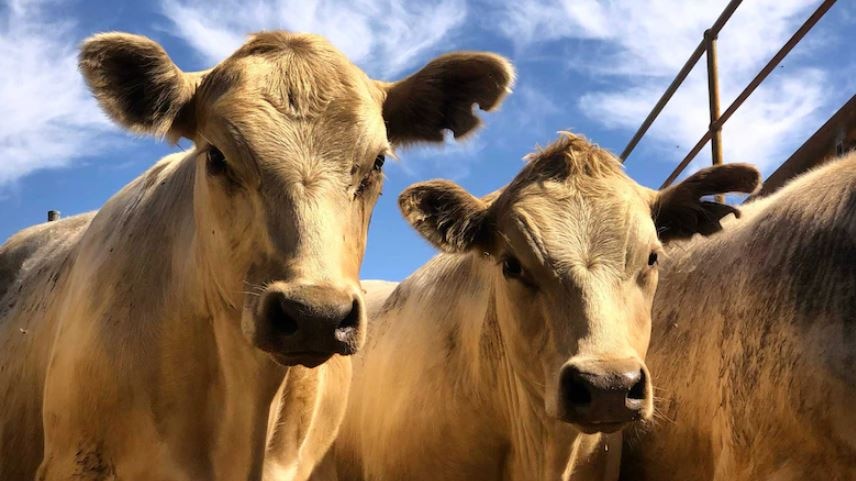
<point>209,323</point>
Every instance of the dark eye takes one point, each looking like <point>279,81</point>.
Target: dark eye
<point>652,259</point>
<point>378,162</point>
<point>511,268</point>
<point>216,161</point>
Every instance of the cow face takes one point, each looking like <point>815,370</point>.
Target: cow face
<point>289,143</point>
<point>572,248</point>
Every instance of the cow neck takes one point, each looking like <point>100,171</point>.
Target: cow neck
<point>521,399</point>
<point>231,382</point>
<point>213,279</point>
<point>473,284</point>
<point>245,379</point>
<point>453,299</point>
<point>141,323</point>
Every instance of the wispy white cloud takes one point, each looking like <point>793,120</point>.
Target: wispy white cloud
<point>383,36</point>
<point>453,159</point>
<point>764,131</point>
<point>637,51</point>
<point>532,21</point>
<point>530,107</point>
<point>49,118</point>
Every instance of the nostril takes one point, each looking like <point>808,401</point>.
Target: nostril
<point>352,319</point>
<point>637,391</point>
<point>279,317</point>
<point>579,395</point>
<point>576,390</point>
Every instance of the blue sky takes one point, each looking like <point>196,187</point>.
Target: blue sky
<point>595,67</point>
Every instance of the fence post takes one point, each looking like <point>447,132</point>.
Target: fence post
<point>713,97</point>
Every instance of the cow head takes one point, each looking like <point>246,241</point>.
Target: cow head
<point>289,144</point>
<point>571,248</point>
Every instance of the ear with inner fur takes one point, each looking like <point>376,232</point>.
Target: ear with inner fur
<point>441,96</point>
<point>679,212</point>
<point>137,84</point>
<point>446,215</point>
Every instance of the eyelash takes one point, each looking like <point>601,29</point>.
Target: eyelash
<point>364,184</point>
<point>377,168</point>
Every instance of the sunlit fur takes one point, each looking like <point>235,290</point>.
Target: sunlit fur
<point>127,335</point>
<point>754,344</point>
<point>459,377</point>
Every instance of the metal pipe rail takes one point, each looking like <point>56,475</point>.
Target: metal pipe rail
<point>679,79</point>
<point>708,46</point>
<point>771,65</point>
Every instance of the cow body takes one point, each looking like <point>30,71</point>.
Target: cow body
<point>754,344</point>
<point>67,320</point>
<point>33,261</point>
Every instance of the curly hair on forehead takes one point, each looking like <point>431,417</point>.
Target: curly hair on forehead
<point>570,157</point>
<point>572,154</point>
<point>277,42</point>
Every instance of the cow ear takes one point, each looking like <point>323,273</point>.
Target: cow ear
<point>446,215</point>
<point>441,96</point>
<point>137,84</point>
<point>679,212</point>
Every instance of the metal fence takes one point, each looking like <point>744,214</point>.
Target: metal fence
<point>708,46</point>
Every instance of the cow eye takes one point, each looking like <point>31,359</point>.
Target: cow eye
<point>216,161</point>
<point>652,259</point>
<point>378,162</point>
<point>511,268</point>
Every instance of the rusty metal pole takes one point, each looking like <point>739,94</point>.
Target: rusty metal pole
<point>53,215</point>
<point>679,79</point>
<point>768,68</point>
<point>713,96</point>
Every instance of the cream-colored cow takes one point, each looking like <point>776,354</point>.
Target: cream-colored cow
<point>147,341</point>
<point>753,352</point>
<point>494,360</point>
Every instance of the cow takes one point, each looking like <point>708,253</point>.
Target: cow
<point>147,340</point>
<point>754,344</point>
<point>509,353</point>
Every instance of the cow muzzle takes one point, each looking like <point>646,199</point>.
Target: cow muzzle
<point>307,324</point>
<point>604,396</point>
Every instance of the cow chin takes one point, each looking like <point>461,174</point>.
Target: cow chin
<point>306,359</point>
<point>287,352</point>
<point>606,428</point>
<point>303,354</point>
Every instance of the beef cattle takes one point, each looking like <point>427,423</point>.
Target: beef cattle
<point>148,340</point>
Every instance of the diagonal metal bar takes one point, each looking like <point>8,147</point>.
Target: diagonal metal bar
<point>771,65</point>
<point>679,79</point>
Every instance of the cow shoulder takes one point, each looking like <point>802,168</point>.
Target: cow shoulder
<point>27,245</point>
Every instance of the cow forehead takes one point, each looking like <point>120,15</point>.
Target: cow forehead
<point>299,103</point>
<point>301,76</point>
<point>582,201</point>
<point>596,221</point>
